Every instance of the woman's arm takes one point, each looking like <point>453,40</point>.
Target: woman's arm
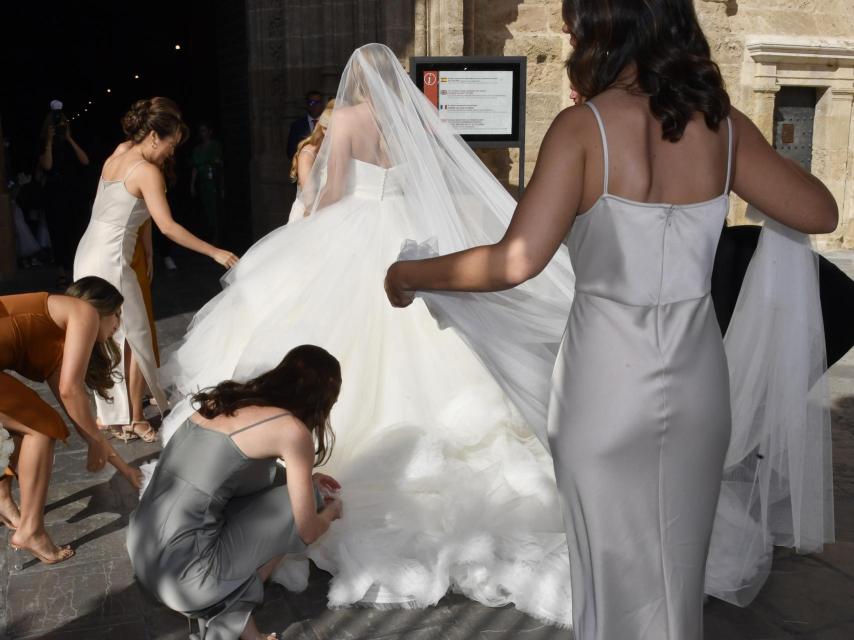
<point>68,386</point>
<point>150,181</point>
<point>82,158</point>
<point>46,158</point>
<point>340,154</point>
<point>780,188</point>
<point>298,454</point>
<point>541,221</point>
<point>305,161</point>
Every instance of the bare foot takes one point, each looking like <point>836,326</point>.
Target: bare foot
<point>10,515</point>
<point>41,546</point>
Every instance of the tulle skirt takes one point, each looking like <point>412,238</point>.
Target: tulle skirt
<point>444,485</point>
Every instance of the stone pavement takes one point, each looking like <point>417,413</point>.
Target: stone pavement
<point>94,595</point>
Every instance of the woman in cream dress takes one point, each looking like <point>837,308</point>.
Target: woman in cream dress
<point>132,190</point>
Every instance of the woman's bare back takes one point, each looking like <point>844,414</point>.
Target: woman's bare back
<point>645,167</point>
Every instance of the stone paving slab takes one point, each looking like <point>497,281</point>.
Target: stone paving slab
<point>94,595</point>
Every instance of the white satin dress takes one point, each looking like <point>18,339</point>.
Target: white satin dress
<point>639,419</point>
<point>106,250</point>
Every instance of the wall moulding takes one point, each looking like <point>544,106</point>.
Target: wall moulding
<point>833,52</point>
<point>826,64</point>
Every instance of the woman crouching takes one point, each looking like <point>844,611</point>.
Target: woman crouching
<point>214,522</point>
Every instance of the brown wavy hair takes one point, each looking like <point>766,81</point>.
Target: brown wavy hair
<point>306,383</point>
<point>102,370</point>
<point>664,41</point>
<point>160,115</point>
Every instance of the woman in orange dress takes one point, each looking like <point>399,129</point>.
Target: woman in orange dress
<point>66,341</point>
<point>143,266</point>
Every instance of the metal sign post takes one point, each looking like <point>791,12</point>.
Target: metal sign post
<point>482,98</point>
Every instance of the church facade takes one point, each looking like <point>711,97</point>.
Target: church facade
<point>788,64</point>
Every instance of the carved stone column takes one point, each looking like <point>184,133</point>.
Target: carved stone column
<point>836,166</point>
<point>298,45</point>
<point>269,92</point>
<point>439,28</point>
<point>762,113</point>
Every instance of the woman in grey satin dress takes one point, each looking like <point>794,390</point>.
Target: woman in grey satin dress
<point>216,518</point>
<point>636,184</point>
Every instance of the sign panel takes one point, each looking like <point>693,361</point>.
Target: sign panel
<point>473,102</point>
<point>481,98</point>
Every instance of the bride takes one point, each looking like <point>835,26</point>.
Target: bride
<point>447,484</point>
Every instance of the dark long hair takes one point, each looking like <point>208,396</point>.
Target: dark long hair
<point>160,115</point>
<point>664,40</point>
<point>306,383</point>
<point>101,373</point>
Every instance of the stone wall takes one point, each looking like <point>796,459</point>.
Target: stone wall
<point>234,122</point>
<point>530,28</point>
<point>295,46</point>
<point>761,46</point>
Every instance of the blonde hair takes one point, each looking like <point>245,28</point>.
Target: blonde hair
<point>315,138</point>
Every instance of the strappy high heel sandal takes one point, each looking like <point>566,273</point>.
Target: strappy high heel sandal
<point>65,553</point>
<point>106,430</point>
<point>127,433</point>
<point>149,435</point>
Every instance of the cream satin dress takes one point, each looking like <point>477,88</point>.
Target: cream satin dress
<point>106,250</point>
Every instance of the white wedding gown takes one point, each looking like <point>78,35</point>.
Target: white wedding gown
<point>444,485</point>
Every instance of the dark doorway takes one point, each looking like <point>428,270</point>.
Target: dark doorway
<point>794,119</point>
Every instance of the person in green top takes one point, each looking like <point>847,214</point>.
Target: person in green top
<point>206,181</point>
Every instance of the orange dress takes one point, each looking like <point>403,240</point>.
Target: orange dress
<point>139,267</point>
<point>31,345</point>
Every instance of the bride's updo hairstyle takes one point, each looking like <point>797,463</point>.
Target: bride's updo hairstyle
<point>664,40</point>
<point>306,383</point>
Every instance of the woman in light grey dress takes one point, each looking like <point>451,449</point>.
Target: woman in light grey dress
<point>216,518</point>
<point>639,417</point>
<point>132,189</point>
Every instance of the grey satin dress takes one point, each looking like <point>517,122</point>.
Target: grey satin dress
<point>208,520</point>
<point>639,419</point>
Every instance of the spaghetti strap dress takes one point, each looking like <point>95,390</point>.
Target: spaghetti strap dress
<point>31,345</point>
<point>106,250</point>
<point>208,520</point>
<point>640,415</point>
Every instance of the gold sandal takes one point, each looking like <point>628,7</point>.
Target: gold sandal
<point>127,433</point>
<point>149,435</point>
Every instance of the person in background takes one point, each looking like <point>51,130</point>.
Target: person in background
<point>32,239</point>
<point>206,180</point>
<point>62,160</point>
<point>304,158</point>
<point>302,127</point>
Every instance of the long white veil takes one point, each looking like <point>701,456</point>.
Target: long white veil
<point>453,202</point>
<point>777,485</point>
<point>445,485</point>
